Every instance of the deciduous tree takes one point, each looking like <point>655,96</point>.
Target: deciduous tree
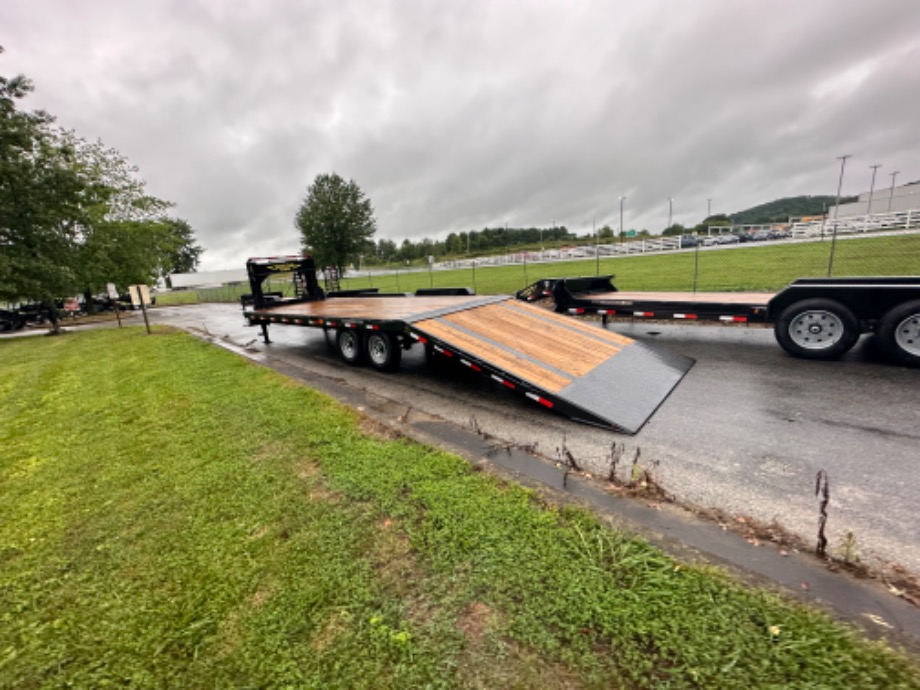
<point>335,221</point>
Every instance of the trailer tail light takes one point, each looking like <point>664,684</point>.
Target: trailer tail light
<point>691,317</point>
<point>644,313</point>
<point>542,401</point>
<point>733,319</point>
<point>474,367</point>
<point>503,381</point>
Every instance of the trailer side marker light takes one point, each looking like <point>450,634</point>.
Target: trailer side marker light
<point>576,310</point>
<point>542,401</point>
<point>643,313</point>
<point>686,316</point>
<point>503,381</point>
<point>733,319</point>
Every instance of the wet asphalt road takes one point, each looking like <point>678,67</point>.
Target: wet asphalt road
<point>746,431</point>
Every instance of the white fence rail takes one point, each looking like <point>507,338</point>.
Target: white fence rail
<point>900,221</point>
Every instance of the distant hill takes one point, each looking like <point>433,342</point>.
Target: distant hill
<point>778,211</point>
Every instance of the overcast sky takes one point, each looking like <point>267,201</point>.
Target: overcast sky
<point>455,115</point>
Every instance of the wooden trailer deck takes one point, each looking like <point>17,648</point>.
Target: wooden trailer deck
<point>754,299</point>
<point>585,372</point>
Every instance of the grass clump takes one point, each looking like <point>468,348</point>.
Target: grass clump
<point>174,516</point>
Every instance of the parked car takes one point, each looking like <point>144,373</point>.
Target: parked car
<point>727,238</point>
<point>761,236</point>
<point>688,241</point>
<point>11,320</point>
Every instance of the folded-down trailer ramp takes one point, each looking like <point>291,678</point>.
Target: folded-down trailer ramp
<point>577,369</point>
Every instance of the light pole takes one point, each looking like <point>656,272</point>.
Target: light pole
<point>709,208</point>
<point>830,261</point>
<point>622,229</point>
<point>670,211</point>
<point>871,190</point>
<point>891,194</point>
<point>597,246</point>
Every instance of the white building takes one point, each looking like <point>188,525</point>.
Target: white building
<point>184,281</point>
<point>884,200</point>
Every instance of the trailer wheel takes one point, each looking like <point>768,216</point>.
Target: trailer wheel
<point>383,351</point>
<point>350,346</point>
<point>817,329</point>
<point>898,334</point>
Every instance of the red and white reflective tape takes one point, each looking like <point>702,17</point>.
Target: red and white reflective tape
<point>331,324</point>
<point>503,381</point>
<point>686,316</point>
<point>372,327</point>
<point>733,319</point>
<point>643,313</point>
<point>607,311</point>
<point>576,310</point>
<point>419,338</point>
<point>542,401</point>
<point>474,367</point>
<point>316,322</point>
<point>446,353</point>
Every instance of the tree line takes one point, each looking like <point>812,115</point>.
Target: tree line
<point>74,215</point>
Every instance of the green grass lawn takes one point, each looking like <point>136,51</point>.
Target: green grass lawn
<point>753,267</point>
<point>174,516</point>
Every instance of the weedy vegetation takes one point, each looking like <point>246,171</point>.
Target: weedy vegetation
<point>174,516</point>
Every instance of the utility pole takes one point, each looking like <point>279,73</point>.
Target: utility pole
<point>891,195</point>
<point>622,229</point>
<point>871,190</point>
<point>830,261</point>
<point>670,211</point>
<point>709,208</point>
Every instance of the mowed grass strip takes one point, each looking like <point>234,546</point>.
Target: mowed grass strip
<point>174,516</point>
<point>750,268</point>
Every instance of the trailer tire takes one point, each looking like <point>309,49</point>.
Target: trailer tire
<point>817,329</point>
<point>350,346</point>
<point>383,350</point>
<point>898,334</point>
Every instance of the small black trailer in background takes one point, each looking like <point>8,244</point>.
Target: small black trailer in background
<point>579,370</point>
<point>813,318</point>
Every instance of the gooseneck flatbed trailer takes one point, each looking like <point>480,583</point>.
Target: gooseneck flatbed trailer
<point>584,372</point>
<point>813,318</point>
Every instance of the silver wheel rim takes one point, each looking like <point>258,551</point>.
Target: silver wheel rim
<point>377,349</point>
<point>907,335</point>
<point>348,344</point>
<point>816,330</point>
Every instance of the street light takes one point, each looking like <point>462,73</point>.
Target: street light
<point>872,189</point>
<point>830,261</point>
<point>709,208</point>
<point>670,211</point>
<point>622,230</point>
<point>893,176</point>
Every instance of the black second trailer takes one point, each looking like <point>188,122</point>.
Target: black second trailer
<point>813,318</point>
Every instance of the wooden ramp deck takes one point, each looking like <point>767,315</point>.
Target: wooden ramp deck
<point>578,369</point>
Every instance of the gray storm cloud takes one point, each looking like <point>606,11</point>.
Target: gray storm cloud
<point>454,116</point>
